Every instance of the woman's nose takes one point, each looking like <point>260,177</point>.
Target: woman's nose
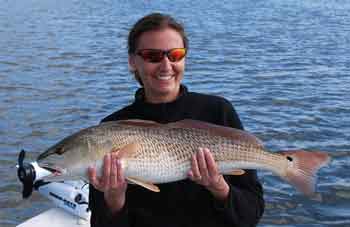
<point>165,64</point>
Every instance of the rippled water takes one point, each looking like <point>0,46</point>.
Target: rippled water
<point>283,64</point>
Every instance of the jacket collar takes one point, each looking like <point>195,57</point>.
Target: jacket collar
<point>140,96</point>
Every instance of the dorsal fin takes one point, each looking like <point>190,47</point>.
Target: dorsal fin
<point>232,133</point>
<point>141,123</point>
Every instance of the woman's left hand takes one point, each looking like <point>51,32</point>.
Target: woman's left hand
<point>204,171</point>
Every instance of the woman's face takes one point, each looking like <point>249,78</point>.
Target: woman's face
<point>161,80</point>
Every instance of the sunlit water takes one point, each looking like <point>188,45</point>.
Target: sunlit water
<point>283,64</point>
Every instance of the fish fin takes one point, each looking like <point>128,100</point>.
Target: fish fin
<point>227,132</point>
<point>236,172</point>
<point>137,122</point>
<point>303,167</point>
<point>144,184</point>
<point>127,151</point>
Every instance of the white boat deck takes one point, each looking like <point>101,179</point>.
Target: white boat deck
<point>55,217</point>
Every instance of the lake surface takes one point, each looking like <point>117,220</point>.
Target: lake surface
<point>284,65</point>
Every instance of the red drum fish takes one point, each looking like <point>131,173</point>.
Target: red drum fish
<point>153,153</point>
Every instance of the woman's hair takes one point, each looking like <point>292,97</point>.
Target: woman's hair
<point>153,22</point>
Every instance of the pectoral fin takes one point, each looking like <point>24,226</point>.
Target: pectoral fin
<point>144,184</point>
<point>236,172</point>
<point>127,151</point>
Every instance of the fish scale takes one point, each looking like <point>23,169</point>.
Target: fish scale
<point>178,146</point>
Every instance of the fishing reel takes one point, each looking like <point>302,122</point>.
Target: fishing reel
<point>29,174</point>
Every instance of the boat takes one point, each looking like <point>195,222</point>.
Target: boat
<point>71,198</point>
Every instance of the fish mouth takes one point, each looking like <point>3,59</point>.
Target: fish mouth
<point>55,170</point>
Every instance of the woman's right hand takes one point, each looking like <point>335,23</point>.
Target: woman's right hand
<point>112,182</point>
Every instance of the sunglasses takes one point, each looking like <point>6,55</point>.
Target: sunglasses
<point>156,56</point>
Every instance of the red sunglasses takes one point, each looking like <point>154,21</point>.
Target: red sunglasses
<point>156,56</point>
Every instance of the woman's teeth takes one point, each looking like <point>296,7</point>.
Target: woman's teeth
<point>164,77</point>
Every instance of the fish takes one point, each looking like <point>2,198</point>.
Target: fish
<point>152,153</point>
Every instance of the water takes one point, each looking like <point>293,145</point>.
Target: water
<point>283,64</point>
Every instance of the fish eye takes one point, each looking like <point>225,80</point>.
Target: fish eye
<point>289,158</point>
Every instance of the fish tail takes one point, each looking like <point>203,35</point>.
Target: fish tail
<point>302,168</point>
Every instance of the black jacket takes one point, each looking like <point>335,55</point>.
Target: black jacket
<point>183,203</point>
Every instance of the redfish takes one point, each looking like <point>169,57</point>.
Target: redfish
<point>152,153</point>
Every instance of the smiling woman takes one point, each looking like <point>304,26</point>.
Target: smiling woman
<point>150,40</point>
<point>161,79</point>
<point>157,54</point>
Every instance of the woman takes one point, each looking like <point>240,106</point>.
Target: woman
<point>157,49</point>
